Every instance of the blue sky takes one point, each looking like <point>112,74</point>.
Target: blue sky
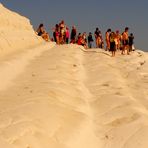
<point>86,15</point>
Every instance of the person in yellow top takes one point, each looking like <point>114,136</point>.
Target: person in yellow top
<point>112,43</point>
<point>125,41</point>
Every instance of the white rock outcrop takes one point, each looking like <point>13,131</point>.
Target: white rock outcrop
<point>16,32</point>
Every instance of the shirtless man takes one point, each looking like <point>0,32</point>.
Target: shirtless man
<point>107,34</point>
<point>125,41</point>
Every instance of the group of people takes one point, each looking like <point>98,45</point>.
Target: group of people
<point>61,33</point>
<point>114,40</point>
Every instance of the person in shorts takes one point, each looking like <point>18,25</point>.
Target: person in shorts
<point>125,41</point>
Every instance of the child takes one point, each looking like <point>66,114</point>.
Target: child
<point>131,42</point>
<point>90,40</point>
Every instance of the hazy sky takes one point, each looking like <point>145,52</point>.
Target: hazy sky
<point>86,15</point>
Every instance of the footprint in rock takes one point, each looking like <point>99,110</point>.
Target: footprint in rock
<point>142,63</point>
<point>119,94</point>
<point>105,84</point>
<point>31,91</point>
<point>74,65</point>
<point>26,87</point>
<point>33,75</point>
<point>106,136</point>
<point>139,54</point>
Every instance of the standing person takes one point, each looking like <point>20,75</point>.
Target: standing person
<point>62,32</point>
<point>73,35</point>
<point>112,43</point>
<point>125,41</point>
<point>96,34</point>
<point>57,34</point>
<point>54,32</point>
<point>67,35</point>
<point>100,40</point>
<point>84,36</point>
<point>118,38</point>
<point>107,34</point>
<point>131,42</point>
<point>90,40</point>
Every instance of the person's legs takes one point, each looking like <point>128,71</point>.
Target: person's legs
<point>127,48</point>
<point>67,40</point>
<point>123,48</point>
<point>108,45</point>
<point>57,39</point>
<point>96,43</point>
<point>118,46</point>
<point>90,44</point>
<point>114,53</point>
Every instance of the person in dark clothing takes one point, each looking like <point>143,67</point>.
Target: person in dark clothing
<point>90,40</point>
<point>131,42</point>
<point>55,29</point>
<point>54,36</point>
<point>73,35</point>
<point>40,30</point>
<point>112,43</point>
<point>96,33</point>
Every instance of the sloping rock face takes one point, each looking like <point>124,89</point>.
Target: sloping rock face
<point>16,32</point>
